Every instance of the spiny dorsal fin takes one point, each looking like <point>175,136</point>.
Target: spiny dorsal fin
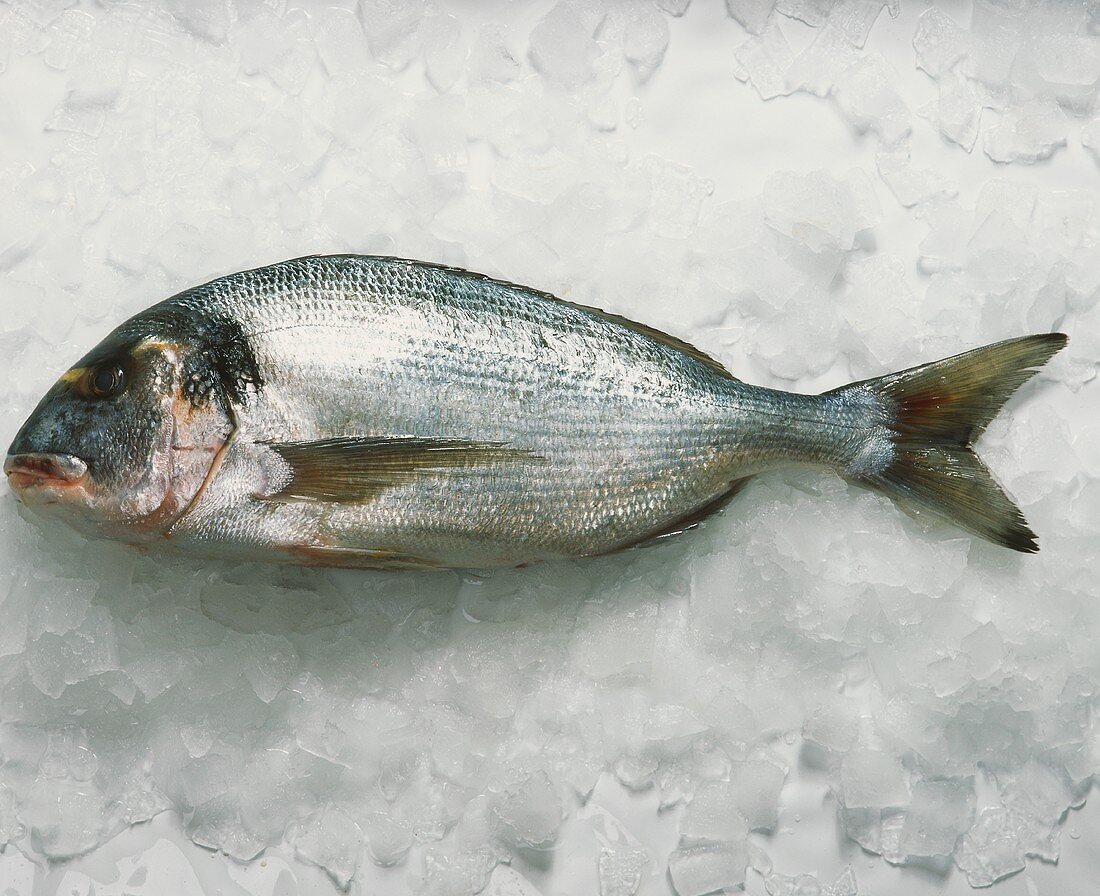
<point>355,470</point>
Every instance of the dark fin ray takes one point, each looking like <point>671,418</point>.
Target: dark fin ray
<point>935,412</point>
<point>356,470</point>
<point>954,399</point>
<point>682,524</point>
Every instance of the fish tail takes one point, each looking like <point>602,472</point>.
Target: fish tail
<point>927,419</point>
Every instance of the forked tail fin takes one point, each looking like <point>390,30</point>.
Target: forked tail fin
<point>933,414</point>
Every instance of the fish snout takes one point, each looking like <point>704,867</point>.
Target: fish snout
<point>35,470</point>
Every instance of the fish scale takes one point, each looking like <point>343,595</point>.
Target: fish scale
<point>370,411</point>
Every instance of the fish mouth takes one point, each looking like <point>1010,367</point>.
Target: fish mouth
<point>29,472</point>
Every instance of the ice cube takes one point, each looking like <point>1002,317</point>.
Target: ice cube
<point>867,99</point>
<point>990,850</point>
<point>911,185</point>
<point>490,58</point>
<point>444,50</point>
<point>339,39</point>
<point>392,30</point>
<point>271,661</point>
<point>563,46</point>
<point>872,779</point>
<point>939,811</point>
<point>715,814</point>
<point>1064,67</point>
<point>957,113</point>
<point>645,39</point>
<point>705,868</point>
<point>823,63</point>
<point>622,870</point>
<point>1028,133</point>
<point>812,12</point>
<point>1090,138</point>
<point>752,15</point>
<point>673,7</point>
<point>330,840</point>
<point>280,48</point>
<point>855,18</point>
<point>828,732</point>
<point>69,37</point>
<point>206,19</point>
<point>387,839</point>
<point>815,209</point>
<point>529,812</point>
<point>940,43</point>
<point>765,59</point>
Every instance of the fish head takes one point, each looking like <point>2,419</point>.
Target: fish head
<point>122,443</point>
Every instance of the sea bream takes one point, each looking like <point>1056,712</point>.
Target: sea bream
<point>377,412</point>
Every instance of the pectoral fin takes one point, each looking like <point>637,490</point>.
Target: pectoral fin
<point>356,470</point>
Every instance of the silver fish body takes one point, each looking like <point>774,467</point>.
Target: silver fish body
<point>379,412</point>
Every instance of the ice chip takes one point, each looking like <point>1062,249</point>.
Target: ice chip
<point>714,814</point>
<point>444,50</point>
<point>705,868</point>
<point>940,42</point>
<point>271,662</point>
<point>911,185</point>
<point>330,840</point>
<point>765,59</point>
<point>752,15</point>
<point>855,18</point>
<point>621,870</point>
<point>872,779</point>
<point>339,39</point>
<point>957,113</point>
<point>813,12</point>
<point>984,648</point>
<point>387,840</point>
<point>645,39</point>
<point>490,59</point>
<point>392,29</point>
<point>1090,138</point>
<point>563,46</point>
<point>673,7</point>
<point>990,850</point>
<point>1027,133</point>
<point>529,812</point>
<point>206,19</point>
<point>69,37</point>
<point>939,811</point>
<point>867,99</point>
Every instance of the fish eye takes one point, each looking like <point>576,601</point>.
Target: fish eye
<point>106,380</point>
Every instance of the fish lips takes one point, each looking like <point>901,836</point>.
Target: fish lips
<point>33,474</point>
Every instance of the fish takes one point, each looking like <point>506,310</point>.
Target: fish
<point>378,412</point>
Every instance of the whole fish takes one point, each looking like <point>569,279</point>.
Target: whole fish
<point>378,412</point>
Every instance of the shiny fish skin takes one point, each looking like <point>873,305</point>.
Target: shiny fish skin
<point>533,428</point>
<point>633,434</point>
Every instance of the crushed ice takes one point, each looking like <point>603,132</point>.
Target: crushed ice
<point>446,724</point>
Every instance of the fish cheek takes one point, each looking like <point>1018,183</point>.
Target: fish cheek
<point>201,433</point>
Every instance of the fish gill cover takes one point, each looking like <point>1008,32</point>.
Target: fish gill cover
<point>418,731</point>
